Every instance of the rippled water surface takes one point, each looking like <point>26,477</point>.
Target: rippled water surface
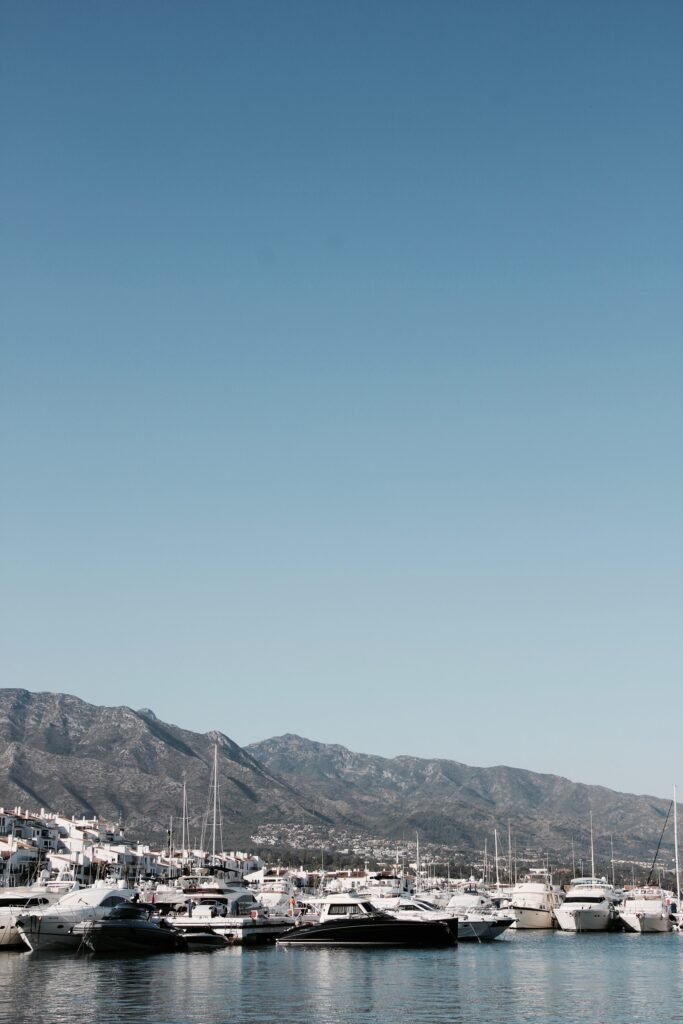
<point>534,976</point>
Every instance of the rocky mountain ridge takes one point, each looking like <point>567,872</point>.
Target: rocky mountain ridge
<point>461,806</point>
<point>60,753</point>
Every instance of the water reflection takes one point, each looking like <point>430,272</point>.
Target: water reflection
<point>531,977</point>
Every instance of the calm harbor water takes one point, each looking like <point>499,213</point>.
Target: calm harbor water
<point>542,977</point>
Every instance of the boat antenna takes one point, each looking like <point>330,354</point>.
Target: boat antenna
<point>649,877</point>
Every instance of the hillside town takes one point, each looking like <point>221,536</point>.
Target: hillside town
<point>41,845</point>
<point>35,844</point>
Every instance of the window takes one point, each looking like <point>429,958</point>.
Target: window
<point>113,901</point>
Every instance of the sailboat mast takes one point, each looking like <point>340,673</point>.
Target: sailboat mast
<point>592,852</point>
<point>678,877</point>
<point>417,862</point>
<point>215,801</point>
<point>184,819</point>
<point>495,841</point>
<point>614,881</point>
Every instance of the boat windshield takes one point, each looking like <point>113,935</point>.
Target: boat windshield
<point>129,912</point>
<point>22,901</point>
<point>363,907</point>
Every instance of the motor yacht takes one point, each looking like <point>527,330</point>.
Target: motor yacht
<point>349,920</point>
<point>380,887</point>
<point>52,927</point>
<point>21,899</point>
<point>472,925</point>
<point>234,914</point>
<point>589,906</point>
<point>648,909</point>
<point>277,892</point>
<point>533,901</point>
<point>478,918</point>
<point>129,928</point>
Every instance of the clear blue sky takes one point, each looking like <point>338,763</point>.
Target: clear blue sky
<point>342,372</point>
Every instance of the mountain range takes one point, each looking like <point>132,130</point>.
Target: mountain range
<point>62,754</point>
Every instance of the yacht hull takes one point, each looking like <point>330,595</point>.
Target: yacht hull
<point>473,929</point>
<point>38,934</point>
<point>371,932</point>
<point>243,931</point>
<point>593,920</point>
<point>9,935</point>
<point>640,922</point>
<point>532,918</point>
<point>129,937</point>
<point>18,901</point>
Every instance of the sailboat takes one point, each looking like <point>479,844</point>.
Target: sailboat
<point>649,908</point>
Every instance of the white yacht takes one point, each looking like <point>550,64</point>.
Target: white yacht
<point>407,908</point>
<point>589,906</point>
<point>52,927</point>
<point>277,892</point>
<point>21,899</point>
<point>478,918</point>
<point>532,902</point>
<point>378,887</point>
<point>234,914</point>
<point>648,909</point>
